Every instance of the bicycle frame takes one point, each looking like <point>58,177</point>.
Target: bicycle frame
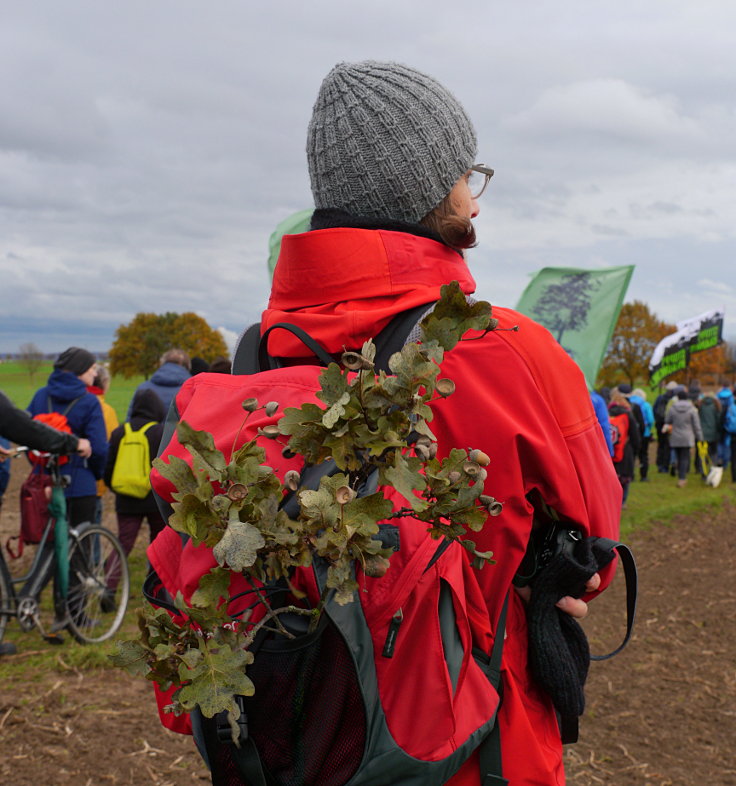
<point>43,560</point>
<point>91,550</point>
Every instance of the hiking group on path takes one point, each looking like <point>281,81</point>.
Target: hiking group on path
<point>396,179</point>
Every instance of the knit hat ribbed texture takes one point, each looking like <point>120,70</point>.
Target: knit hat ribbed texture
<point>75,360</point>
<point>386,141</point>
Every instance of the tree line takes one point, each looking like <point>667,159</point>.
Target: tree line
<point>139,344</point>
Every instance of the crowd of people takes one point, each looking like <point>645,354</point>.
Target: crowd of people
<point>76,389</point>
<point>694,431</point>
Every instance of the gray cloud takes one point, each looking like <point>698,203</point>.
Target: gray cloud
<point>148,151</point>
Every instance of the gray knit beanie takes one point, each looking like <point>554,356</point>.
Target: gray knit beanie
<point>386,141</point>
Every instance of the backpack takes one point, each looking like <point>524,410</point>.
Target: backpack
<point>619,434</point>
<point>660,409</point>
<point>729,418</point>
<point>56,420</point>
<point>347,703</point>
<point>34,512</point>
<point>131,473</point>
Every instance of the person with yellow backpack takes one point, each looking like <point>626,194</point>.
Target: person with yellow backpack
<point>133,446</point>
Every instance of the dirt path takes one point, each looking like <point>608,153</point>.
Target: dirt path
<point>663,712</point>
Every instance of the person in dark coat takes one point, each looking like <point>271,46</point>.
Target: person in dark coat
<point>709,410</point>
<point>146,407</point>
<point>174,370</point>
<point>663,441</point>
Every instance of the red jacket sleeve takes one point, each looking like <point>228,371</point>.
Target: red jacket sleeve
<point>521,399</point>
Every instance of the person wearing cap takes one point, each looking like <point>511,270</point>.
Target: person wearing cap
<point>392,158</point>
<point>66,392</point>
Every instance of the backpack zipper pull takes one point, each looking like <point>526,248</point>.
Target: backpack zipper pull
<point>393,632</point>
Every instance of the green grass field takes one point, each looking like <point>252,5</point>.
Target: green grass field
<point>656,502</point>
<point>19,386</point>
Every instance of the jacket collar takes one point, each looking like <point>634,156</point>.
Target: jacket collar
<point>347,283</point>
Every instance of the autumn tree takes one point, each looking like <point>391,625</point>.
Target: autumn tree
<point>30,358</point>
<point>710,366</point>
<point>635,336</point>
<point>138,346</point>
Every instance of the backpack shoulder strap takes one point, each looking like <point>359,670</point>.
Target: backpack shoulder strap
<point>491,764</point>
<point>50,405</point>
<point>251,354</point>
<point>266,361</point>
<point>245,359</point>
<point>393,337</point>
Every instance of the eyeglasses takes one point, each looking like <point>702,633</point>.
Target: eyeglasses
<point>478,179</point>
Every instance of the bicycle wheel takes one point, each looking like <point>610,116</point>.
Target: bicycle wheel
<point>6,595</point>
<point>99,585</point>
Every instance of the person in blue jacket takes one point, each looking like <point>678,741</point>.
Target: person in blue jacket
<point>726,440</point>
<point>601,412</point>
<point>174,370</point>
<point>66,393</point>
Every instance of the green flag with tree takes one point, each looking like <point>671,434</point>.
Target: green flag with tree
<point>580,309</point>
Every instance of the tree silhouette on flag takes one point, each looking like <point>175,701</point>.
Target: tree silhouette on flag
<point>564,305</point>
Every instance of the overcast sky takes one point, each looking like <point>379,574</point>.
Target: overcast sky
<point>148,149</point>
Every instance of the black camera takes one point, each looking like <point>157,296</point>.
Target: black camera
<point>545,544</point>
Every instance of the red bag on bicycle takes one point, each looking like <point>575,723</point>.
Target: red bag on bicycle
<point>34,511</point>
<point>55,420</point>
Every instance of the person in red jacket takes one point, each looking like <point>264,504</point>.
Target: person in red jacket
<point>392,163</point>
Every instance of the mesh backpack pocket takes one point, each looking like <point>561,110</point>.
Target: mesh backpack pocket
<point>312,729</point>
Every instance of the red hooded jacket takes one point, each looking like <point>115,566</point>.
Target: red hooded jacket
<point>519,398</point>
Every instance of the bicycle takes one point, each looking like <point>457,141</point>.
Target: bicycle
<point>91,581</point>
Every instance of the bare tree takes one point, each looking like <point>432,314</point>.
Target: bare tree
<point>30,357</point>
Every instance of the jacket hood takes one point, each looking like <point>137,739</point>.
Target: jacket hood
<point>148,406</point>
<point>170,375</point>
<point>683,404</point>
<point>348,283</point>
<point>725,395</point>
<point>65,386</point>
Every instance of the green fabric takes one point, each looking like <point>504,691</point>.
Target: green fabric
<point>580,308</point>
<point>57,509</point>
<point>295,224</point>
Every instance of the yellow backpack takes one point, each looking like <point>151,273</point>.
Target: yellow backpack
<point>131,474</point>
